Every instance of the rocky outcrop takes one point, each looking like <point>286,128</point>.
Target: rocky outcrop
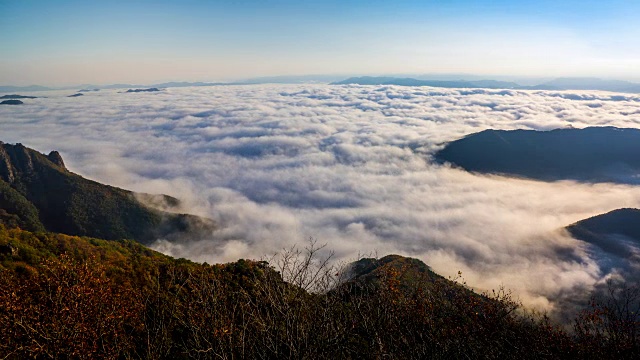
<point>55,158</point>
<point>18,160</point>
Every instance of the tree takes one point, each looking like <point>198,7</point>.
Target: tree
<point>611,326</point>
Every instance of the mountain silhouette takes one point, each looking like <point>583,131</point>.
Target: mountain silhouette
<point>142,90</point>
<point>369,80</point>
<point>614,241</point>
<point>595,154</point>
<point>567,83</point>
<point>591,84</point>
<point>11,102</point>
<point>612,232</point>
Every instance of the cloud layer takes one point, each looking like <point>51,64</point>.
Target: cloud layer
<point>348,165</point>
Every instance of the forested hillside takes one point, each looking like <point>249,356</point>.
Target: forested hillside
<point>70,297</point>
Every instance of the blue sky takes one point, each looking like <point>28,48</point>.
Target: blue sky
<point>70,42</point>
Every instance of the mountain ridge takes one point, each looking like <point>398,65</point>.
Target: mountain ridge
<point>605,230</point>
<point>592,154</point>
<point>443,81</point>
<point>556,84</point>
<point>367,80</point>
<point>68,203</point>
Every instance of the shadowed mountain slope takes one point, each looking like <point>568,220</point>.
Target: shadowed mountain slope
<point>594,154</point>
<point>38,193</point>
<point>621,221</point>
<point>616,232</point>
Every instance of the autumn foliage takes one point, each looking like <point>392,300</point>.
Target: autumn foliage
<point>67,307</point>
<point>80,298</point>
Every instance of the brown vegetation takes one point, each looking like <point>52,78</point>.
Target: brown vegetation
<point>80,298</point>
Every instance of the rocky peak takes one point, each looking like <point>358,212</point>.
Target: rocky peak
<point>55,158</point>
<point>18,160</point>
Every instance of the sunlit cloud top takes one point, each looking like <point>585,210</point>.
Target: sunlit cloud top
<point>67,42</point>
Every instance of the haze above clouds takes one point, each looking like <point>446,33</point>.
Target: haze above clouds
<point>143,41</point>
<point>348,165</point>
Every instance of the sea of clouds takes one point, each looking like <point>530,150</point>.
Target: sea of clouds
<point>349,166</point>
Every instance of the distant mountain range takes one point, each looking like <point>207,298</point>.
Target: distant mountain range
<point>38,193</point>
<point>293,79</point>
<point>594,154</point>
<point>556,84</point>
<point>89,87</point>
<point>15,96</point>
<point>9,88</point>
<point>442,81</point>
<point>592,84</point>
<point>367,80</point>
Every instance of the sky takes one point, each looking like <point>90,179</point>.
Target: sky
<point>139,41</point>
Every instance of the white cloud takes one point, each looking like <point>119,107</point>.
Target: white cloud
<point>348,165</point>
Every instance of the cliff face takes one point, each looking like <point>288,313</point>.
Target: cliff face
<point>18,162</point>
<point>70,204</point>
<point>6,169</point>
